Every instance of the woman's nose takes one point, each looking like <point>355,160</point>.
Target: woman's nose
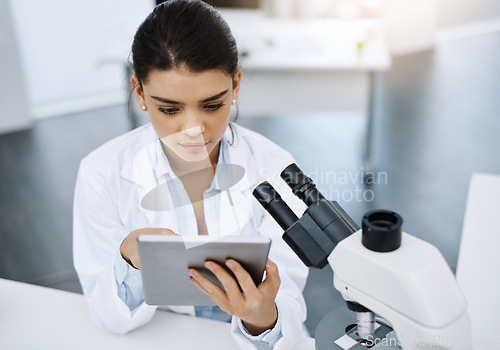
<point>193,131</point>
<point>192,124</point>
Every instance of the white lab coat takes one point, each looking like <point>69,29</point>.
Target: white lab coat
<point>110,183</point>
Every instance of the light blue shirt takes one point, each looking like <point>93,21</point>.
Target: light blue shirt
<point>128,279</point>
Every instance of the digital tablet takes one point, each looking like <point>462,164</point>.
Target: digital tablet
<point>165,260</point>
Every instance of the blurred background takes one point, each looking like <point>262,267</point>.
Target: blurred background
<point>387,104</point>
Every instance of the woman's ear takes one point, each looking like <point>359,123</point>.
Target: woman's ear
<point>138,92</point>
<point>236,84</point>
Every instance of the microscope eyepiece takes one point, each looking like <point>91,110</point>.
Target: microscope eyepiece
<point>382,230</point>
<point>272,202</point>
<point>265,194</point>
<point>301,185</point>
<point>322,226</point>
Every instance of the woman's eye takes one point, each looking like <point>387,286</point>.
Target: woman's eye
<point>214,107</point>
<point>168,111</point>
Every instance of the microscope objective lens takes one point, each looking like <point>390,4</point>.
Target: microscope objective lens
<point>366,324</point>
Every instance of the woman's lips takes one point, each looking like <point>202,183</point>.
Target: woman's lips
<point>194,146</point>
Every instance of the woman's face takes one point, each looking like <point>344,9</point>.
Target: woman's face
<point>189,111</point>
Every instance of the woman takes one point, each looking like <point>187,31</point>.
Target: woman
<point>187,78</point>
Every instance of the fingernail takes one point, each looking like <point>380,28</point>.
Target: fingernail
<point>230,263</point>
<point>209,265</point>
<point>191,273</point>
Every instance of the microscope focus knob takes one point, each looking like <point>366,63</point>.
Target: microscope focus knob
<point>382,230</point>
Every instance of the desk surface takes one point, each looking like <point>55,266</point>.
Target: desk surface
<point>33,317</point>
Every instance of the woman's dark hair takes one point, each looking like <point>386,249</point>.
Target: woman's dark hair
<point>184,34</point>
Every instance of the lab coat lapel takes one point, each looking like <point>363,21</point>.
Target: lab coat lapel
<point>236,206</point>
<point>139,171</point>
<point>137,168</point>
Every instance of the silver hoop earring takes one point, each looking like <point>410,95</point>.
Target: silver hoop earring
<point>143,108</point>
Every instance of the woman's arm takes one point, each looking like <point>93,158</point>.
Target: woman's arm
<point>97,236</point>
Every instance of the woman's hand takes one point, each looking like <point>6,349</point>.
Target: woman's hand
<point>128,248</point>
<point>253,305</point>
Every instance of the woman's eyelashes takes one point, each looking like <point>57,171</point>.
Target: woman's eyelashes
<point>209,108</point>
<point>213,107</point>
<point>168,111</point>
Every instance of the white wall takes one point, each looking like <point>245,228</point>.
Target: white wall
<point>14,111</point>
<point>457,19</point>
<point>410,24</point>
<point>452,13</point>
<point>73,51</point>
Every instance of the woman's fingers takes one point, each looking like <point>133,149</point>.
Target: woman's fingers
<point>243,277</point>
<point>228,282</point>
<point>199,285</point>
<point>272,282</point>
<point>128,247</point>
<point>206,286</point>
<point>163,231</point>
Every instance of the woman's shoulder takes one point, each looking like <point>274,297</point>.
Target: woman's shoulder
<point>113,154</point>
<point>259,145</point>
<point>258,155</point>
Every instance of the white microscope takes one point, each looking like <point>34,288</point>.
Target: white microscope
<point>400,290</point>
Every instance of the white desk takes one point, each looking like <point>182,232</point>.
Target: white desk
<point>478,269</point>
<point>33,317</point>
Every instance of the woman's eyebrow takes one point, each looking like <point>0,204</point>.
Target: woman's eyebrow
<point>215,97</point>
<point>166,100</point>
